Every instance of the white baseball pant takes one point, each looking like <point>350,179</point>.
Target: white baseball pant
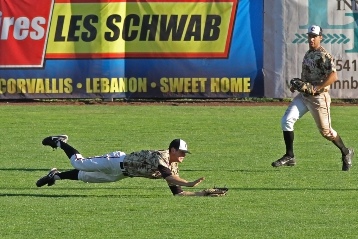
<point>99,169</point>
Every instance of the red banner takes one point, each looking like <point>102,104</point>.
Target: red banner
<point>23,37</point>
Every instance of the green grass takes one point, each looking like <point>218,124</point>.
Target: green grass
<point>231,146</point>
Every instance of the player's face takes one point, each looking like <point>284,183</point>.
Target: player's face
<point>177,155</point>
<point>314,41</point>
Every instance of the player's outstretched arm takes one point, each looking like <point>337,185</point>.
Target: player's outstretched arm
<point>176,180</point>
<point>187,193</point>
<point>210,192</point>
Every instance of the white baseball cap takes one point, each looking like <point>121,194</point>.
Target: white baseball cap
<point>315,30</point>
<point>179,144</point>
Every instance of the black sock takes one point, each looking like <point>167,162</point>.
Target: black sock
<point>68,149</point>
<point>339,143</point>
<point>71,175</point>
<point>289,136</point>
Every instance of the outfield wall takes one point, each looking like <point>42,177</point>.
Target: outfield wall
<point>139,49</point>
<point>131,49</point>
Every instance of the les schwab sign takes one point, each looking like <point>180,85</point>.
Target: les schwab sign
<point>32,31</point>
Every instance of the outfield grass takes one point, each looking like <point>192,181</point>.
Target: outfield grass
<point>231,146</point>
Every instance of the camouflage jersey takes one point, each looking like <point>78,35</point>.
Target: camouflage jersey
<point>151,164</point>
<point>317,65</point>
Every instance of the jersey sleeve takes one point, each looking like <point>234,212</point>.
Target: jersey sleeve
<point>164,171</point>
<point>329,64</point>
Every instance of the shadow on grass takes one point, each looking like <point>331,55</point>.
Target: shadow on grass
<point>29,169</point>
<point>77,196</point>
<point>292,189</point>
<point>265,170</point>
<point>160,195</point>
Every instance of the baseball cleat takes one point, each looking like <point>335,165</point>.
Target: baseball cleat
<point>52,140</point>
<point>347,160</point>
<point>284,161</point>
<point>49,179</point>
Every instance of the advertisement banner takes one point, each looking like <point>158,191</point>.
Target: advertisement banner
<point>286,42</point>
<point>130,49</point>
<point>21,33</point>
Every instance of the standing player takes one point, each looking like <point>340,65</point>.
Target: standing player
<point>114,166</point>
<point>318,72</point>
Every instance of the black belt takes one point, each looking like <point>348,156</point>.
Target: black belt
<point>124,171</point>
<point>315,94</point>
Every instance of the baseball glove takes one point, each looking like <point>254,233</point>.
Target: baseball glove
<point>215,192</point>
<point>302,86</point>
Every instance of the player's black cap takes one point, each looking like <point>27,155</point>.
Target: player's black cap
<point>179,144</point>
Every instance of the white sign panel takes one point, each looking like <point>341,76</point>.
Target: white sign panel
<point>285,42</point>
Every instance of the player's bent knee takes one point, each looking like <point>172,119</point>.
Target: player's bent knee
<point>328,134</point>
<point>77,162</point>
<point>287,124</point>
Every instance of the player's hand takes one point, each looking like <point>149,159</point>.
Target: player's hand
<point>196,182</point>
<point>292,89</point>
<point>314,89</point>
